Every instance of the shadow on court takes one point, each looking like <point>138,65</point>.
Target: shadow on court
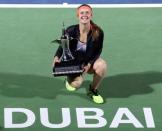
<point>118,86</point>
<point>125,85</point>
<point>17,85</point>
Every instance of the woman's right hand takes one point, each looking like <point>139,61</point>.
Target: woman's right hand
<point>56,60</point>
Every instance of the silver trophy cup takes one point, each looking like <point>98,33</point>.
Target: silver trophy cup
<point>67,66</point>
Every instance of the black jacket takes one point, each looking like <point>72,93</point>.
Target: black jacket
<point>93,50</point>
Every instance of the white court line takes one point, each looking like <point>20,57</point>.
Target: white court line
<point>65,5</point>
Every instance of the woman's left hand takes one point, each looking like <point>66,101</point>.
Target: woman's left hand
<point>87,67</point>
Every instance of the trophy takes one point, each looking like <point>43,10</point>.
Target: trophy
<point>68,65</point>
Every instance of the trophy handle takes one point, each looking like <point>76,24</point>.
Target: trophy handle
<point>56,41</point>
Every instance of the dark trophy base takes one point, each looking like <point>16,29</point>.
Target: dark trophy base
<point>67,68</point>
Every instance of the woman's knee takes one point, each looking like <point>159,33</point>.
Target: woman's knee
<point>100,67</point>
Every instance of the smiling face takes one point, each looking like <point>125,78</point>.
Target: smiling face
<point>84,14</point>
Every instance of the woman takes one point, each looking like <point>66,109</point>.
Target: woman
<point>86,48</point>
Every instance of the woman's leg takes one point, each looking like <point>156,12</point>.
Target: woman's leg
<point>75,80</point>
<point>99,70</point>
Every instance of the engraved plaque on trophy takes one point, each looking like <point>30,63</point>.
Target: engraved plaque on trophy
<point>67,66</point>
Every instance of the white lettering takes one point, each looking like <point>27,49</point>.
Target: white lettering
<point>85,117</point>
<point>66,119</point>
<point>131,118</point>
<point>81,118</point>
<point>149,117</point>
<point>8,119</point>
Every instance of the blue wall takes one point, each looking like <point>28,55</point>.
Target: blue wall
<point>78,1</point>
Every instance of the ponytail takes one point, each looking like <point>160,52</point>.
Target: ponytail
<point>95,30</point>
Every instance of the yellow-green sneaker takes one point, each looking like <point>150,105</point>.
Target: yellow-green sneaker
<point>69,87</point>
<point>96,97</point>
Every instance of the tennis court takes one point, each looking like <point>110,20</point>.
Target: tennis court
<point>132,49</point>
